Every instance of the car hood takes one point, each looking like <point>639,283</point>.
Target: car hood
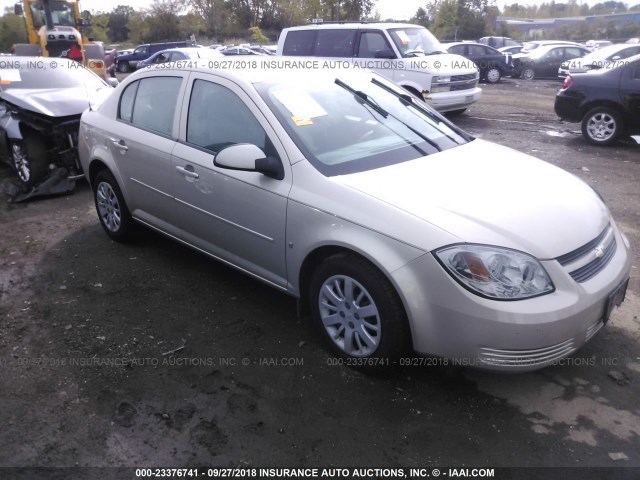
<point>57,102</point>
<point>485,193</point>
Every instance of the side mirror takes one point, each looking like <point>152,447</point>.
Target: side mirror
<point>17,9</point>
<point>113,82</point>
<point>248,158</point>
<point>385,53</point>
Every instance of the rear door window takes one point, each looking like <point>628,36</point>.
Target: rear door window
<point>335,43</point>
<point>150,103</point>
<point>299,42</point>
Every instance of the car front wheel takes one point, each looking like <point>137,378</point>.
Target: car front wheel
<point>528,74</point>
<point>493,75</point>
<point>29,160</point>
<point>111,207</point>
<point>601,126</point>
<point>357,309</point>
<point>123,67</point>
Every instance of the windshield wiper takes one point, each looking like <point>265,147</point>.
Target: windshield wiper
<point>435,52</point>
<point>364,97</point>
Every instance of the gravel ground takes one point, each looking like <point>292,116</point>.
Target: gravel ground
<point>249,383</point>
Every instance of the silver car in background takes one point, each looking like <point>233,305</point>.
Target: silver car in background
<point>393,227</point>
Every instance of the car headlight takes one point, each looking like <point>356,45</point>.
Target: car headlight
<point>494,272</point>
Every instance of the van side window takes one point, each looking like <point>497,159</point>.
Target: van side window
<point>151,103</point>
<point>372,43</point>
<point>335,43</point>
<point>219,118</point>
<point>299,42</point>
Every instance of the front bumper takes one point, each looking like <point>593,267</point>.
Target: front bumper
<point>448,321</point>
<point>456,100</point>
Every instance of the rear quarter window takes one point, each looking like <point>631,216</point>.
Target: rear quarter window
<point>299,42</point>
<point>335,43</point>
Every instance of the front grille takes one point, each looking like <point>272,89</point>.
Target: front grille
<point>583,250</point>
<point>463,78</point>
<point>524,358</point>
<point>586,262</point>
<point>591,269</point>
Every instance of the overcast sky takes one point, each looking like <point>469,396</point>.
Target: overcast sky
<point>398,9</point>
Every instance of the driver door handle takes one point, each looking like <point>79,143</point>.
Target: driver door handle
<point>187,171</point>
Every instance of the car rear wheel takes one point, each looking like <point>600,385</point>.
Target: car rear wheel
<point>123,67</point>
<point>601,126</point>
<point>111,207</point>
<point>29,159</point>
<point>493,75</point>
<point>528,74</point>
<point>356,309</point>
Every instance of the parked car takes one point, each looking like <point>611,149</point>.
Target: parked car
<point>511,50</point>
<point>128,63</point>
<point>544,61</point>
<point>177,54</point>
<point>340,189</point>
<point>605,101</point>
<point>499,42</point>
<point>240,51</point>
<point>597,44</point>
<point>493,65</point>
<point>530,46</point>
<point>408,54</point>
<point>605,57</point>
<point>41,100</point>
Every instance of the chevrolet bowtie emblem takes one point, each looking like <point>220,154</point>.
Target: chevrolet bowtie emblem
<point>599,251</point>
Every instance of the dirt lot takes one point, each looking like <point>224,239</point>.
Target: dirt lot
<point>87,327</point>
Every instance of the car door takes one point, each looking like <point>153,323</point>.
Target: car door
<point>550,63</point>
<point>630,91</point>
<point>236,216</point>
<point>141,140</point>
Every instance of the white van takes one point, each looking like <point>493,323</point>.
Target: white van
<point>407,54</point>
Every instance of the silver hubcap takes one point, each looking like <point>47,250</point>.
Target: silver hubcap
<point>21,162</point>
<point>349,316</point>
<point>108,206</point>
<point>528,74</point>
<point>601,126</point>
<point>493,75</point>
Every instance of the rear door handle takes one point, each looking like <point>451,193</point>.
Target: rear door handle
<point>187,171</point>
<point>120,144</point>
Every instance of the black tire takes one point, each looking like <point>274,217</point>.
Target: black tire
<point>112,209</point>
<point>528,73</point>
<point>493,75</point>
<point>455,113</point>
<point>602,126</point>
<point>366,320</point>
<point>29,159</point>
<point>123,67</point>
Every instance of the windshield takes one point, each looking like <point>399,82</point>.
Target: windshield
<point>415,41</point>
<point>352,125</point>
<point>61,13</point>
<point>35,74</point>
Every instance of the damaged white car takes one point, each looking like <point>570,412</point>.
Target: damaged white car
<point>41,100</point>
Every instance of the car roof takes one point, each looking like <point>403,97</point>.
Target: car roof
<point>290,69</point>
<point>364,25</point>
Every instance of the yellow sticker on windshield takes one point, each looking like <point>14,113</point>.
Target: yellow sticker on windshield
<point>302,121</point>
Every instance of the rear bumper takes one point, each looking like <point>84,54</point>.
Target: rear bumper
<point>567,107</point>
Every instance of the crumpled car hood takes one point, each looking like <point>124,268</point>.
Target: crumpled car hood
<point>54,102</point>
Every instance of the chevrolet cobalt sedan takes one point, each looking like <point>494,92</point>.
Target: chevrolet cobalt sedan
<point>395,229</point>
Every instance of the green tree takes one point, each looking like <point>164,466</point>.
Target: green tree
<point>257,36</point>
<point>12,31</point>
<point>163,20</point>
<point>118,23</point>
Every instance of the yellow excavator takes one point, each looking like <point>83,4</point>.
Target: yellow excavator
<point>57,29</point>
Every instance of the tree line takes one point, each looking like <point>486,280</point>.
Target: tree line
<point>262,20</point>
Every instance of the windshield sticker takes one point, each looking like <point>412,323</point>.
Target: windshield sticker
<point>300,104</point>
<point>9,76</point>
<point>403,37</point>
<point>302,121</point>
